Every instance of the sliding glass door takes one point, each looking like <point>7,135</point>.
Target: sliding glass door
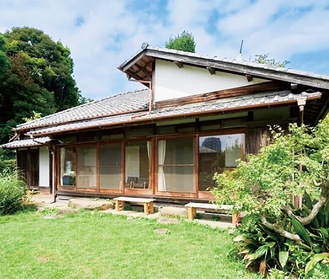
<point>176,165</point>
<point>137,165</point>
<point>110,166</point>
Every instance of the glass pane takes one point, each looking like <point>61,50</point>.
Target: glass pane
<point>179,179</point>
<point>68,166</point>
<point>137,165</point>
<point>110,177</point>
<point>110,159</point>
<point>87,166</point>
<point>176,165</point>
<point>216,154</point>
<point>179,151</point>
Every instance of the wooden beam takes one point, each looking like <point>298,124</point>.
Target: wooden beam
<point>178,64</point>
<point>293,86</point>
<point>249,77</point>
<point>250,89</point>
<point>211,70</point>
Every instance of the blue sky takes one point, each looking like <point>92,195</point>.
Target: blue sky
<point>102,34</point>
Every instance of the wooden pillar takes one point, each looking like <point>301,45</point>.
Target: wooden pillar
<point>28,168</point>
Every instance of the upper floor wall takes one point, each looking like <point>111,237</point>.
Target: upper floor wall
<point>171,81</point>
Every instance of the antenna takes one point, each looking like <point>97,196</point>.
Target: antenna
<point>241,45</point>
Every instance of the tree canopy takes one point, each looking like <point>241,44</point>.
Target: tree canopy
<point>294,163</point>
<point>183,42</point>
<point>36,75</point>
<point>4,62</point>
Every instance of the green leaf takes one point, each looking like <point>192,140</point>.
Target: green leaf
<point>239,238</point>
<point>326,215</point>
<point>301,230</point>
<point>314,260</point>
<point>261,251</point>
<point>308,201</point>
<point>283,258</point>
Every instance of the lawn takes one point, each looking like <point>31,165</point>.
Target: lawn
<point>98,245</point>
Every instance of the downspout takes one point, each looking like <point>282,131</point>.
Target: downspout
<point>301,104</point>
<point>297,200</point>
<point>53,173</point>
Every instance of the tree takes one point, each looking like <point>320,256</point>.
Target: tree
<point>184,42</point>
<point>4,62</point>
<point>49,64</point>
<point>291,165</point>
<point>295,164</point>
<point>39,78</point>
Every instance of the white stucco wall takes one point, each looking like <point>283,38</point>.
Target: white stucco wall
<point>171,81</point>
<point>43,167</point>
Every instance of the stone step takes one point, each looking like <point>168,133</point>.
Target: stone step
<point>99,204</point>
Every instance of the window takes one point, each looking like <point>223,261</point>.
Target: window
<point>216,154</point>
<point>68,166</point>
<point>110,166</point>
<point>87,167</point>
<point>176,165</point>
<point>137,165</point>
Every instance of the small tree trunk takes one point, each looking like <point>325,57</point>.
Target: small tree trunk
<point>280,230</point>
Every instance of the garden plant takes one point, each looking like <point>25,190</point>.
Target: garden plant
<point>12,191</point>
<point>278,236</point>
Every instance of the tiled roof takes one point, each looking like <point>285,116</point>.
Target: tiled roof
<point>26,143</point>
<point>214,106</point>
<point>113,105</point>
<point>147,55</point>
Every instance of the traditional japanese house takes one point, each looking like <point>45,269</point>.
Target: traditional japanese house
<point>196,116</point>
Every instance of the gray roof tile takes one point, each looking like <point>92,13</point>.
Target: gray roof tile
<point>116,104</point>
<point>26,143</point>
<point>219,105</point>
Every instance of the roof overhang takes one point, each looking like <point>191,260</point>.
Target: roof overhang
<point>245,103</point>
<point>32,142</point>
<point>140,67</point>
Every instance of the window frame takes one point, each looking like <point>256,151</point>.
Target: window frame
<point>194,193</point>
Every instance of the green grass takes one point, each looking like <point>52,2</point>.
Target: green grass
<point>98,245</point>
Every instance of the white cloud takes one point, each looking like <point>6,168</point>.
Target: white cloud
<point>102,34</point>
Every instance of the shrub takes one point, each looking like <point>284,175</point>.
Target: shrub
<point>274,255</point>
<point>267,186</point>
<point>12,190</point>
<point>7,160</point>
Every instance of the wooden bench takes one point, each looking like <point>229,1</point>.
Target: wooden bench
<point>147,202</point>
<point>192,206</point>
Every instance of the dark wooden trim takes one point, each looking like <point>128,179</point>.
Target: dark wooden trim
<point>211,70</point>
<point>178,64</point>
<point>98,175</point>
<point>232,92</point>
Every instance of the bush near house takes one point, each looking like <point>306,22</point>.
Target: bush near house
<point>12,191</point>
<point>277,238</point>
<point>7,160</point>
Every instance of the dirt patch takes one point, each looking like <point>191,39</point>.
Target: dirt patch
<point>162,230</point>
<point>166,221</point>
